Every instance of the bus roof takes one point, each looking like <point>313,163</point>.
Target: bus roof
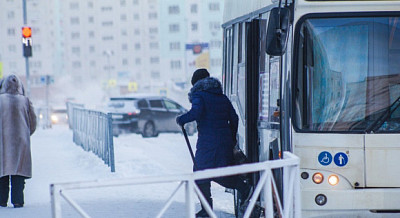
<point>239,9</point>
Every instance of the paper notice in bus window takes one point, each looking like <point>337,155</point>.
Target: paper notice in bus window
<point>264,96</point>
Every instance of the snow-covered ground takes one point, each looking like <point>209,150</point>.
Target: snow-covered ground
<point>56,159</point>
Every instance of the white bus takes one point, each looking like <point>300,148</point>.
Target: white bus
<point>320,79</point>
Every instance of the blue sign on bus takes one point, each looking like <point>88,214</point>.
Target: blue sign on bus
<point>325,158</point>
<point>341,159</point>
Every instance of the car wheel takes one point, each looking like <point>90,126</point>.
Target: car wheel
<point>149,130</point>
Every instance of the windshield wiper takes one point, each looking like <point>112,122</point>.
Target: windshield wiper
<point>381,119</point>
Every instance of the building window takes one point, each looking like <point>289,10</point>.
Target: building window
<point>137,46</point>
<point>194,27</point>
<point>91,34</point>
<point>122,2</point>
<point>124,47</point>
<point>108,8</point>
<point>174,46</point>
<point>152,15</point>
<point>107,23</point>
<point>11,31</point>
<point>175,64</point>
<point>76,50</point>
<point>153,30</point>
<point>137,32</point>
<point>124,32</point>
<point>215,26</point>
<point>124,61</point>
<point>173,9</point>
<point>93,63</point>
<point>74,5</point>
<point>213,6</point>
<point>91,19</point>
<point>37,48</point>
<point>75,35</point>
<point>173,28</point>
<point>123,17</point>
<point>193,8</point>
<point>138,61</point>
<point>153,45</point>
<point>155,74</point>
<point>107,38</point>
<point>76,64</point>
<point>35,30</point>
<point>92,49</point>
<point>154,60</point>
<point>215,44</point>
<point>12,48</point>
<point>74,20</point>
<point>90,4</point>
<point>135,2</point>
<point>10,14</point>
<point>136,16</point>
<point>35,64</point>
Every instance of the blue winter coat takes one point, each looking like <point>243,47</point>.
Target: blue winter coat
<point>217,124</point>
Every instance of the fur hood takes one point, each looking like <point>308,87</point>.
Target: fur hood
<point>12,85</point>
<point>209,84</point>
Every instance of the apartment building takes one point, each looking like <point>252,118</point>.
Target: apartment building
<point>120,46</point>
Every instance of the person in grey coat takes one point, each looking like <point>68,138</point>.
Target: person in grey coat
<point>17,124</point>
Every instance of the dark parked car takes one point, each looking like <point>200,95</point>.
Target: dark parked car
<point>148,115</point>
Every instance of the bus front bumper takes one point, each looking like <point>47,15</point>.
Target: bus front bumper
<point>370,200</point>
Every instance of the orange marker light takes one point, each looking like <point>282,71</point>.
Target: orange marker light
<point>318,178</point>
<point>26,32</point>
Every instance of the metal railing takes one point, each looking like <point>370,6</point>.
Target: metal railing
<point>92,130</point>
<point>265,185</point>
<point>70,107</point>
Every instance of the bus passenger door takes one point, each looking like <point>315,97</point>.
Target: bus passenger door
<point>269,102</point>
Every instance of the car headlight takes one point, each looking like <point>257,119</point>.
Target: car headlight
<point>54,118</point>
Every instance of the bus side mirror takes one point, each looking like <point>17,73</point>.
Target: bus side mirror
<point>278,31</point>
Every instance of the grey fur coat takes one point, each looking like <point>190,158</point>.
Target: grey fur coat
<point>17,124</point>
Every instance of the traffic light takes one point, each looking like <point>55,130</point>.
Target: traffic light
<point>27,41</point>
<point>26,32</point>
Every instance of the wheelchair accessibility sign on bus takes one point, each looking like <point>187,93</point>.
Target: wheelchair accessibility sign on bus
<point>340,158</point>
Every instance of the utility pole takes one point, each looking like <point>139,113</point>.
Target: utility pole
<point>26,45</point>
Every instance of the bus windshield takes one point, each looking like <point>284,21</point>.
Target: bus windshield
<point>348,75</point>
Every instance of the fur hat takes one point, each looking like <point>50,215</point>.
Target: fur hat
<point>199,74</point>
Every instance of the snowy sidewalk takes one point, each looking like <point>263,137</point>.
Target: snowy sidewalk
<point>56,159</point>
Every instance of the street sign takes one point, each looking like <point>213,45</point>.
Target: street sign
<point>46,80</point>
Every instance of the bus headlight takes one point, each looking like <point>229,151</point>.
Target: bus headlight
<point>333,179</point>
<point>318,178</point>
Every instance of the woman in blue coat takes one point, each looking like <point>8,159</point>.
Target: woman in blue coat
<point>217,124</point>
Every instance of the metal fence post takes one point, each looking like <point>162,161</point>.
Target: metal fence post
<point>111,142</point>
<point>189,199</point>
<point>55,201</point>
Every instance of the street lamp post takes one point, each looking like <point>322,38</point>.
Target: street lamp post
<point>108,54</point>
<point>28,82</point>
